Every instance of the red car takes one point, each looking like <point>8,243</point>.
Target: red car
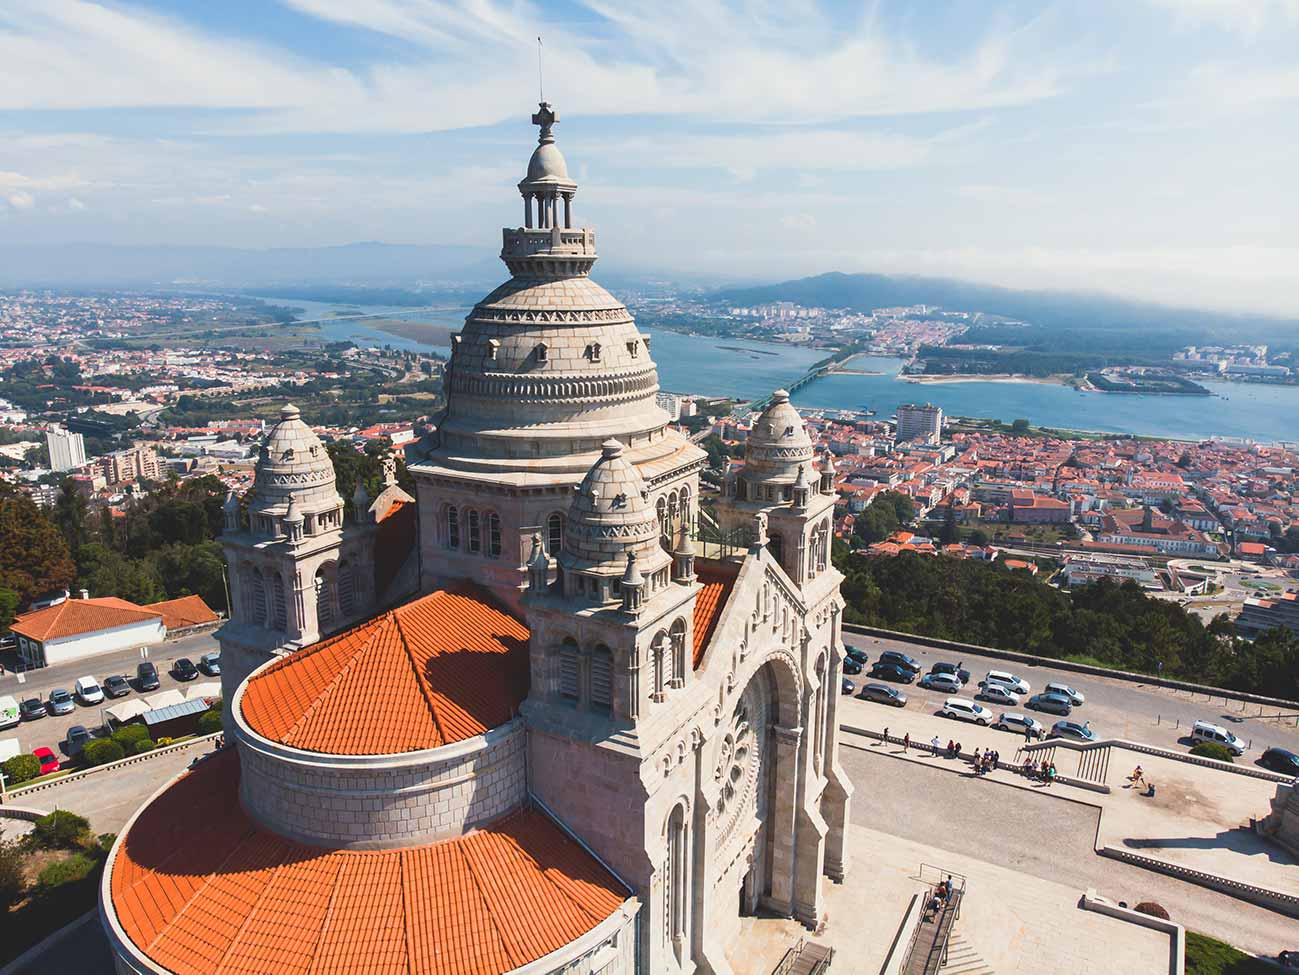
<point>49,761</point>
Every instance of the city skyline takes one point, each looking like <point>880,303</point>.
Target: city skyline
<point>1139,149</point>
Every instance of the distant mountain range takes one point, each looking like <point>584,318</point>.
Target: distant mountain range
<point>361,264</point>
<point>1051,309</point>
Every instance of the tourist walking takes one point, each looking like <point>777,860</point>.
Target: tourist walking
<point>886,734</point>
<point>935,744</point>
<point>906,741</point>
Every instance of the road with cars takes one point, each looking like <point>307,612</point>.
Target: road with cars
<point>1115,708</point>
<point>52,730</point>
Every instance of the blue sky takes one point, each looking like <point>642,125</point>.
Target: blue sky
<point>1145,147</point>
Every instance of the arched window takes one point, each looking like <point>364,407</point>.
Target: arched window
<point>569,682</point>
<point>777,549</point>
<point>453,527</point>
<point>277,599</point>
<point>475,531</point>
<point>678,653</point>
<point>660,648</point>
<point>324,599</point>
<point>493,536</point>
<point>259,598</point>
<point>554,533</point>
<point>818,715</point>
<point>674,882</point>
<point>602,679</point>
<point>661,507</point>
<point>686,518</point>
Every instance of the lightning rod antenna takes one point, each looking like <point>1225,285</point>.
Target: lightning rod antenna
<point>541,87</point>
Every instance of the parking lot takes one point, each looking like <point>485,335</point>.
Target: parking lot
<point>1115,708</point>
<point>51,731</point>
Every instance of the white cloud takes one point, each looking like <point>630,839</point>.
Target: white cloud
<point>1247,17</point>
<point>20,199</point>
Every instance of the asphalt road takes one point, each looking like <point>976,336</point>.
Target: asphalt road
<point>1041,835</point>
<point>1115,708</point>
<point>52,731</point>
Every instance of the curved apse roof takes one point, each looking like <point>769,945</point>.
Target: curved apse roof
<point>242,900</point>
<point>440,669</point>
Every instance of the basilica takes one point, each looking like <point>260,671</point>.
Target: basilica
<point>558,711</point>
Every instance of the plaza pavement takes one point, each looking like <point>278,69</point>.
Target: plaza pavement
<point>1010,921</point>
<point>1198,818</point>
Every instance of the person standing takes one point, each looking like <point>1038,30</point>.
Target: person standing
<point>886,734</point>
<point>935,745</point>
<point>906,741</point>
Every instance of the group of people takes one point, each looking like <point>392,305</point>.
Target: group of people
<point>1041,773</point>
<point>942,892</point>
<point>986,762</point>
<point>1139,780</point>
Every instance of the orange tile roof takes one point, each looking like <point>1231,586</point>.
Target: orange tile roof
<point>440,669</point>
<point>716,581</point>
<point>73,617</point>
<point>185,611</point>
<point>244,901</point>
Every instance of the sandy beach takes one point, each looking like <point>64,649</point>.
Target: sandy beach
<point>995,377</point>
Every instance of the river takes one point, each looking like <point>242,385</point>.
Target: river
<point>751,370</point>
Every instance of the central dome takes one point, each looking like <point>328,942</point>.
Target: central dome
<point>547,162</point>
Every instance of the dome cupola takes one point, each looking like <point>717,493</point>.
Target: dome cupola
<point>778,447</point>
<point>293,467</point>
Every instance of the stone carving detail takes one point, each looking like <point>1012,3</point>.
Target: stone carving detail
<point>592,315</point>
<point>742,754</point>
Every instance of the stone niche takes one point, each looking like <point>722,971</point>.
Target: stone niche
<point>379,802</point>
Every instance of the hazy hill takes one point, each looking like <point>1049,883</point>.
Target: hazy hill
<point>1050,309</point>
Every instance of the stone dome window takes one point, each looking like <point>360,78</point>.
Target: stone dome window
<point>540,353</point>
<point>493,346</point>
<point>593,351</point>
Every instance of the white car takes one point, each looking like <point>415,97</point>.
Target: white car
<point>1204,731</point>
<point>1021,724</point>
<point>997,693</point>
<point>1064,690</point>
<point>1017,684</point>
<point>965,710</point>
<point>88,689</point>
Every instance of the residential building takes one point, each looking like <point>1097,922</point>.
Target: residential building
<point>67,449</point>
<point>1260,615</point>
<point>923,422</point>
<point>1081,569</point>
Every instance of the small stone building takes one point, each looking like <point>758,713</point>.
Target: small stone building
<point>582,725</point>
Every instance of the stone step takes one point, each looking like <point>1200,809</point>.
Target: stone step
<point>964,959</point>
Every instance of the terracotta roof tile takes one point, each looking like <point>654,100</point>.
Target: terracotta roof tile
<point>185,611</point>
<point>717,580</point>
<point>440,669</point>
<point>73,617</point>
<point>246,901</point>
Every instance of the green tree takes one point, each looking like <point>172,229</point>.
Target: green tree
<point>978,537</point>
<point>34,557</point>
<point>1019,426</point>
<point>13,874</point>
<point>949,534</point>
<point>192,570</point>
<point>20,768</point>
<point>59,830</point>
<point>71,516</point>
<point>105,572</point>
<point>101,751</point>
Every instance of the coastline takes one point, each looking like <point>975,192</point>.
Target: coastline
<point>994,377</point>
<point>430,333</point>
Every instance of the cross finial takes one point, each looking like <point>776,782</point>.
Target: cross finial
<point>545,117</point>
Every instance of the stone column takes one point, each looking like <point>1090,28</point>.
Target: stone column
<point>527,209</point>
<point>784,813</point>
<point>835,803</point>
<point>568,211</point>
<point>304,622</point>
<point>809,828</point>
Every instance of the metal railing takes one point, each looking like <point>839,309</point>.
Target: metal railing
<point>944,921</point>
<point>787,963</point>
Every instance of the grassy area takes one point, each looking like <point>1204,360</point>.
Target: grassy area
<point>1208,956</point>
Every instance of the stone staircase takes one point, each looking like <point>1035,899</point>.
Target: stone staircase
<point>963,959</point>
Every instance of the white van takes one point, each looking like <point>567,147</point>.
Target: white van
<point>1064,690</point>
<point>9,713</point>
<point>89,691</point>
<point>1017,684</point>
<point>1204,731</point>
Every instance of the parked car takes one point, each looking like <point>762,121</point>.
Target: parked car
<point>10,714</point>
<point>847,687</point>
<point>894,672</point>
<point>1051,704</point>
<point>1014,682</point>
<point>146,676</point>
<point>116,686</point>
<point>1204,731</point>
<point>89,691</point>
<point>961,673</point>
<point>49,761</point>
<point>884,695</point>
<point>947,683</point>
<point>997,694</point>
<point>210,663</point>
<point>32,708</point>
<point>78,735</point>
<point>61,702</point>
<point>1280,760</point>
<point>851,666</point>
<point>1020,724</point>
<point>857,654</point>
<point>899,659</point>
<point>963,709</point>
<point>1076,698</point>
<point>184,669</point>
<point>1072,729</point>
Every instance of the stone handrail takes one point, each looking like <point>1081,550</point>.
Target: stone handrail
<point>1275,900</point>
<point>1137,746</point>
<point>21,812</point>
<point>1176,933</point>
<point>129,760</point>
<point>1068,665</point>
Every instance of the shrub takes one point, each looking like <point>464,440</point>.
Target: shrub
<point>106,841</point>
<point>209,722</point>
<point>102,751</point>
<point>1209,956</point>
<point>20,768</point>
<point>129,734</point>
<point>66,871</point>
<point>13,883</point>
<point>144,745</point>
<point>1153,909</point>
<point>59,830</point>
<point>1212,749</point>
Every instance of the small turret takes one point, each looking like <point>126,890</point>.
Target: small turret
<point>683,558</point>
<point>801,489</point>
<point>360,503</point>
<point>538,566</point>
<point>230,510</point>
<point>292,521</point>
<point>633,584</point>
<point>827,473</point>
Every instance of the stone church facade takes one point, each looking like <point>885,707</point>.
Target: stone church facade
<point>569,657</point>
